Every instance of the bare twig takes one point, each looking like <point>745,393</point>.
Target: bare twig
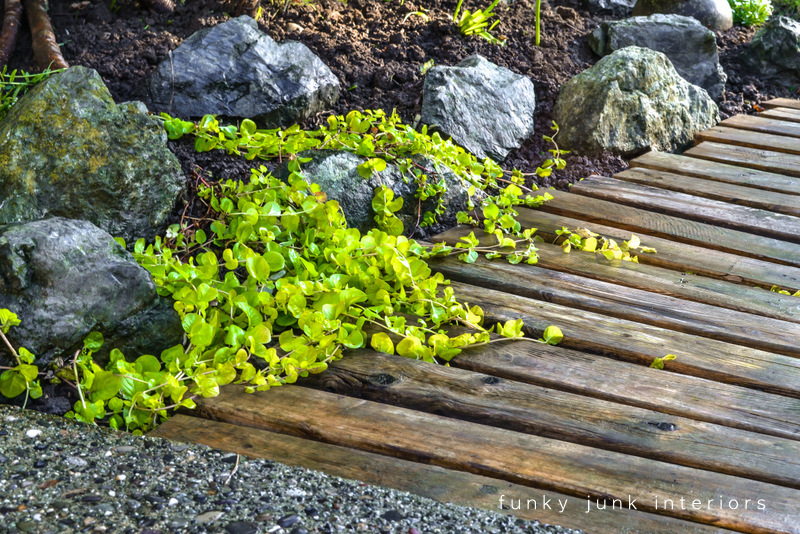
<point>235,468</point>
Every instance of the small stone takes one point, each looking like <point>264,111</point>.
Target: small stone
<point>288,520</point>
<point>393,515</point>
<point>178,523</point>
<point>241,527</point>
<point>208,517</point>
<point>32,433</point>
<point>40,464</point>
<point>292,27</point>
<point>76,461</point>
<point>125,449</point>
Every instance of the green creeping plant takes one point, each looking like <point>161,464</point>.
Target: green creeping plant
<point>272,285</point>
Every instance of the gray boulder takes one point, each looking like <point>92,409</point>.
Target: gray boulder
<point>713,14</point>
<point>616,8</point>
<point>690,46</point>
<point>775,51</point>
<point>336,172</point>
<point>65,278</point>
<point>630,101</point>
<point>485,108</point>
<point>66,149</point>
<point>235,70</point>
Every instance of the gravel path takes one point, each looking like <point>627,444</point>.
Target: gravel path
<point>60,476</point>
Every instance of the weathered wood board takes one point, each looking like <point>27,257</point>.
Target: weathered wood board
<point>671,227</point>
<point>782,103</point>
<point>445,485</point>
<point>750,139</point>
<point>524,459</point>
<point>769,223</point>
<point>716,170</point>
<point>677,256</point>
<point>718,191</point>
<point>751,158</point>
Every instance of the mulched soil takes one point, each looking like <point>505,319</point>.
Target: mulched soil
<point>376,49</point>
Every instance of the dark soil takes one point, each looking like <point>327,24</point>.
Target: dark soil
<point>376,49</point>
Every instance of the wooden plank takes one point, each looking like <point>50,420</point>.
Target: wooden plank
<point>575,470</point>
<point>781,103</point>
<point>719,191</point>
<point>609,299</point>
<point>752,158</point>
<point>675,228</point>
<point>754,123</point>
<point>641,343</point>
<point>782,114</point>
<point>683,258</point>
<point>690,207</point>
<point>717,170</point>
<point>569,417</point>
<point>437,483</point>
<point>627,383</point>
<point>763,141</point>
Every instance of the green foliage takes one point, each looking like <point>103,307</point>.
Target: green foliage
<point>777,289</point>
<point>14,84</point>
<point>658,363</point>
<point>588,241</point>
<point>790,8</point>
<point>538,21</point>
<point>21,378</point>
<point>749,12</point>
<point>476,22</point>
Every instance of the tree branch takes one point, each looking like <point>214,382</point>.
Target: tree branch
<point>8,38</point>
<point>45,47</point>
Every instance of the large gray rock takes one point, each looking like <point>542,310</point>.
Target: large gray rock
<point>336,172</point>
<point>690,46</point>
<point>485,108</point>
<point>65,278</point>
<point>235,70</point>
<point>67,149</point>
<point>775,51</point>
<point>616,8</point>
<point>713,14</point>
<point>630,101</point>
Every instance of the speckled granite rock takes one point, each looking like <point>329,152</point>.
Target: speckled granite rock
<point>65,278</point>
<point>631,101</point>
<point>66,149</point>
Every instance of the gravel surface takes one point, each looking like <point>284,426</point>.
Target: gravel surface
<point>60,476</point>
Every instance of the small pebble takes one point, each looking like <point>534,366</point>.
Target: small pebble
<point>34,432</point>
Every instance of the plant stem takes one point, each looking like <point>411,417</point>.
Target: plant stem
<point>538,20</point>
<point>10,347</point>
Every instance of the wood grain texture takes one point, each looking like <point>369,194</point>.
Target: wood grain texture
<point>718,191</point>
<point>751,158</point>
<point>443,485</point>
<point>759,123</point>
<point>675,228</point>
<point>782,114</point>
<point>751,139</point>
<point>524,459</point>
<point>641,343</point>
<point>683,258</point>
<point>521,407</point>
<point>621,382</point>
<point>781,103</point>
<point>691,207</point>
<point>717,170</point>
<point>634,304</point>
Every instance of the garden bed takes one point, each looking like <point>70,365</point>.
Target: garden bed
<point>376,49</point>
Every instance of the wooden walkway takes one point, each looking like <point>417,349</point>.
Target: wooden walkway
<point>711,444</point>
